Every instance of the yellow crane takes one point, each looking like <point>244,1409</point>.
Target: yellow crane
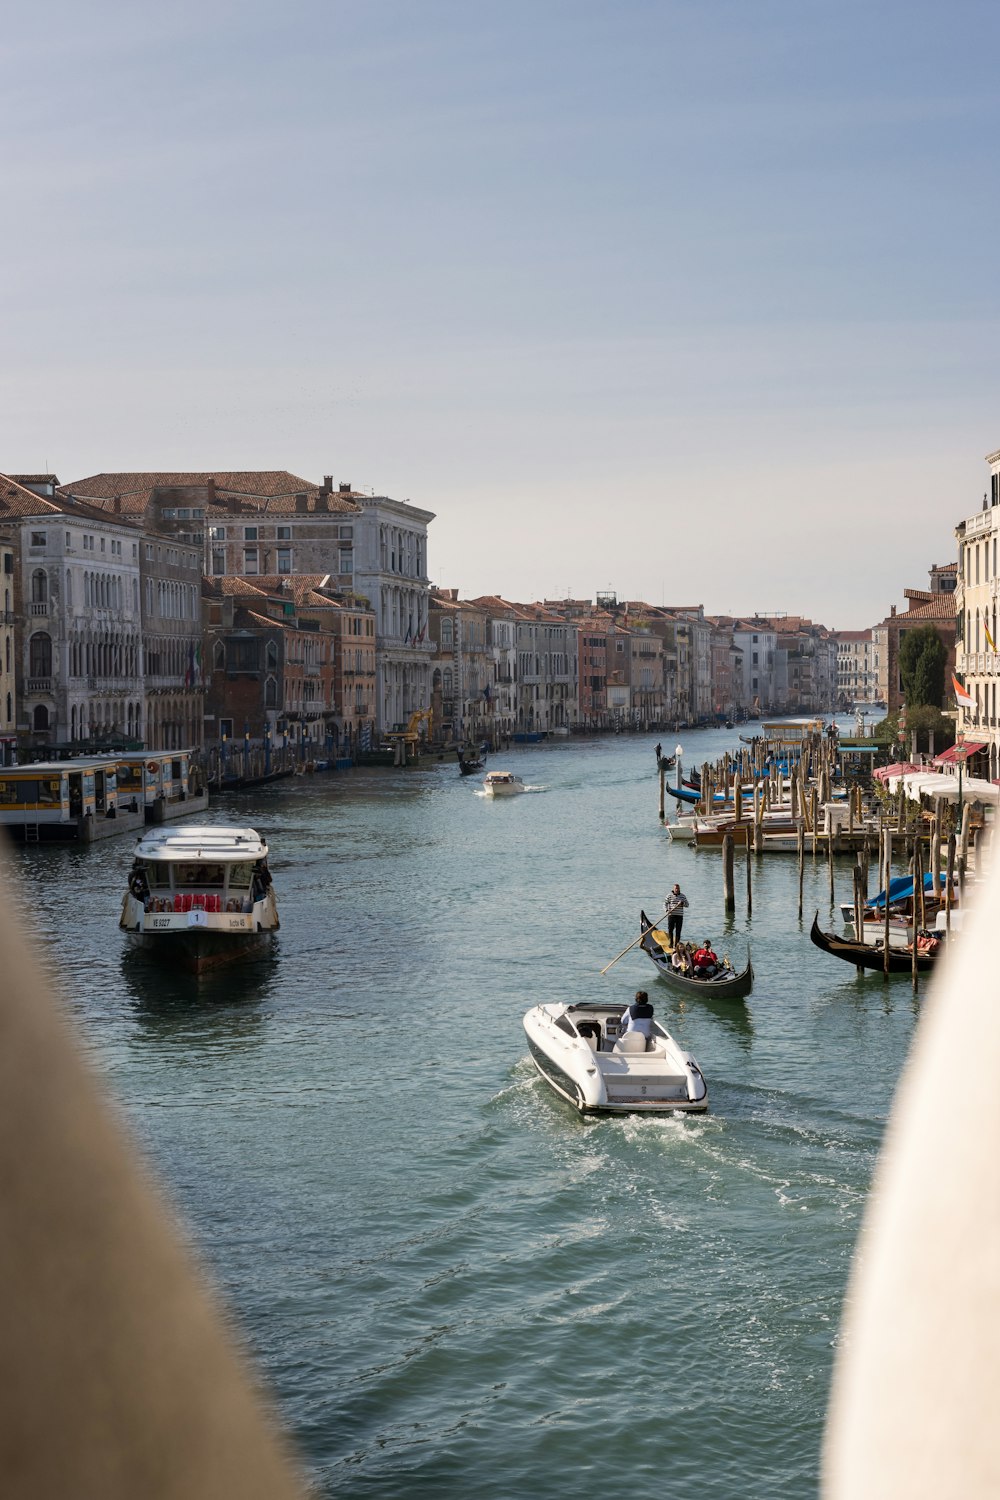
<point>409,737</point>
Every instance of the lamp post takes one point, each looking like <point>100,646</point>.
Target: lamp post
<point>678,752</point>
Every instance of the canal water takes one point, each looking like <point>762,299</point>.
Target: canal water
<point>452,1285</point>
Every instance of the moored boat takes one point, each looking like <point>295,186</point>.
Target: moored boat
<point>579,1052</point>
<point>873,955</point>
<point>502,784</point>
<point>725,984</point>
<point>200,896</point>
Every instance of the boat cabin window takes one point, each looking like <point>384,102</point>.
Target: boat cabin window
<point>130,778</point>
<point>565,1025</point>
<point>32,790</point>
<point>199,873</point>
<point>241,875</point>
<point>157,874</point>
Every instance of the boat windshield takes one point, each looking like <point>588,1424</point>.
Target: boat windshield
<point>203,875</point>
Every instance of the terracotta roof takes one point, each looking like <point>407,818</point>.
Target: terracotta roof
<point>17,503</point>
<point>262,490</point>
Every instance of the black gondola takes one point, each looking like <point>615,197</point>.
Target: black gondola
<point>872,955</point>
<point>725,985</point>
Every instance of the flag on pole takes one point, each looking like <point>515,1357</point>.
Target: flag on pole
<point>989,639</point>
<point>962,698</point>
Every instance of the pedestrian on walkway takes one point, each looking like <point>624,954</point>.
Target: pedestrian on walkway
<point>673,910</point>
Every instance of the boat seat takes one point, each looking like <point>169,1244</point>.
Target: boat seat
<point>632,1041</point>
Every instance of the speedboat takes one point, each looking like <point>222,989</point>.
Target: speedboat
<point>579,1052</point>
<point>200,896</point>
<point>502,784</point>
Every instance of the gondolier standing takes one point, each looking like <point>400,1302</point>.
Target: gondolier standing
<point>673,910</point>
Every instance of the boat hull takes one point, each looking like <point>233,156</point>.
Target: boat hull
<point>202,952</point>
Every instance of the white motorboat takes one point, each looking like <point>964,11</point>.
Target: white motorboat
<point>200,896</point>
<point>502,784</point>
<point>578,1051</point>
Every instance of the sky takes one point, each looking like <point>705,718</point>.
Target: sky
<point>695,301</point>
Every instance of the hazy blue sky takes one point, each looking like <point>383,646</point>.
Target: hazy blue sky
<point>695,301</point>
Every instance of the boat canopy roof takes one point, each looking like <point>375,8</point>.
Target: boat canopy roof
<point>209,842</point>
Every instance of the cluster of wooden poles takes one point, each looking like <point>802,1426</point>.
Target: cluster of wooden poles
<point>808,787</point>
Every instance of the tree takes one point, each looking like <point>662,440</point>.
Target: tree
<point>922,655</point>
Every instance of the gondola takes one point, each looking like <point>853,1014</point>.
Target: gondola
<point>727,984</point>
<point>872,955</point>
<point>666,762</point>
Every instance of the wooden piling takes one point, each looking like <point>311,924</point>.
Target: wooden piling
<point>750,838</point>
<point>728,873</point>
<point>800,840</point>
<point>885,888</point>
<point>663,782</point>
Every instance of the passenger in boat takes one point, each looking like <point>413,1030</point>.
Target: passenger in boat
<point>638,1016</point>
<point>705,960</point>
<point>673,910</point>
<point>680,960</point>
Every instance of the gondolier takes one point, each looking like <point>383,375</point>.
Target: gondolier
<point>673,910</point>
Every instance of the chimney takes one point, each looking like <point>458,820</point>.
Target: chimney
<point>893,609</point>
<point>327,483</point>
<point>345,489</point>
<point>302,504</point>
<point>210,488</point>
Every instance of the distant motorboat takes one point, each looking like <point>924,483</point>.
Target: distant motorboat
<point>502,784</point>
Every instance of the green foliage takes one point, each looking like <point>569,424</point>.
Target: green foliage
<point>922,657</point>
<point>926,720</point>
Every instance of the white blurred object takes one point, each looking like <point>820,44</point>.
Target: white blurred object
<point>917,1377</point>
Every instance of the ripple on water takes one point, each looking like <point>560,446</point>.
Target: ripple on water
<point>453,1284</point>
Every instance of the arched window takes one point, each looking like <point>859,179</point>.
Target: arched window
<point>10,708</point>
<point>220,655</point>
<point>446,636</point>
<point>272,656</point>
<point>270,693</point>
<point>41,719</point>
<point>39,586</point>
<point>40,656</point>
<point>72,723</point>
<point>446,682</point>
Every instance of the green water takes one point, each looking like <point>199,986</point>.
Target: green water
<point>452,1285</point>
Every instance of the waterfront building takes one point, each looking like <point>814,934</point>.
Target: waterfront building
<point>857,676</point>
<point>391,571</point>
<point>463,673</point>
<point>646,668</point>
<point>935,606</point>
<point>545,647</point>
<point>977,573</point>
<point>251,522</point>
<point>170,557</point>
<point>502,626</point>
<point>81,671</point>
<point>272,522</point>
<point>757,641</point>
<point>9,573</point>
<point>269,666</point>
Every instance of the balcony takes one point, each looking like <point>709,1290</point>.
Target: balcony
<point>41,608</point>
<point>39,684</point>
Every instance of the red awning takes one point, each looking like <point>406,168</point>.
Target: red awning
<point>950,757</point>
<point>899,768</point>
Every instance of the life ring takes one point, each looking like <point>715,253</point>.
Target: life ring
<point>152,766</point>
